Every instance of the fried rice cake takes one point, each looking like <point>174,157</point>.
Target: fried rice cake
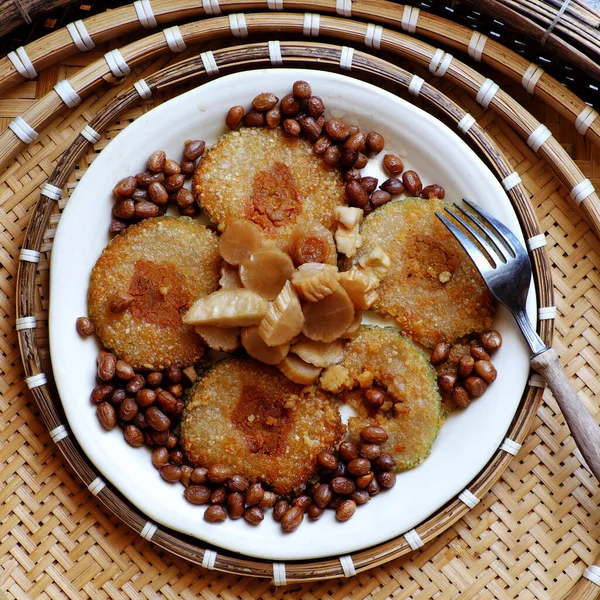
<point>412,411</point>
<point>432,289</point>
<point>272,180</point>
<point>250,418</point>
<point>165,264</point>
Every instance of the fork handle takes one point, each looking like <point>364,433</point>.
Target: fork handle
<point>583,426</point>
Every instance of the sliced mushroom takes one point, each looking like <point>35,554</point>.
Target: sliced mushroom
<point>352,331</point>
<point>312,243</point>
<point>239,240</point>
<point>361,285</point>
<point>284,319</point>
<point>220,338</point>
<point>348,240</point>
<point>314,281</point>
<point>230,278</point>
<point>256,347</point>
<point>320,354</point>
<point>228,308</point>
<point>327,319</point>
<point>298,371</point>
<point>266,271</point>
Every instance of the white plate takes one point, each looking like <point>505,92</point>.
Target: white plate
<point>468,439</point>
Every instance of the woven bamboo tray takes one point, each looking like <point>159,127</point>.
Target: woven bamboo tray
<point>533,567</point>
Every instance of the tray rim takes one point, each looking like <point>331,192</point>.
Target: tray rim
<point>329,54</point>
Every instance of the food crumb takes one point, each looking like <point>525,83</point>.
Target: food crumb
<point>334,378</point>
<point>445,276</point>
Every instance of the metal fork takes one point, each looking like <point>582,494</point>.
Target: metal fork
<point>505,267</point>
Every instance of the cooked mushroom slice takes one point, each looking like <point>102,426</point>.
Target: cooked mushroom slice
<point>327,319</point>
<point>348,240</point>
<point>314,281</point>
<point>353,330</point>
<point>228,308</point>
<point>230,278</point>
<point>239,240</point>
<point>266,271</point>
<point>312,243</point>
<point>256,347</point>
<point>220,338</point>
<point>284,319</point>
<point>361,286</point>
<point>377,261</point>
<point>298,371</point>
<point>319,354</point>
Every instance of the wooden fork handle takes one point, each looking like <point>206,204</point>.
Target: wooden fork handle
<point>583,426</point>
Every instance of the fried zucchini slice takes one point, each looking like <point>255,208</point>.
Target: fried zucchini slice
<point>253,420</point>
<point>432,288</point>
<point>412,416</point>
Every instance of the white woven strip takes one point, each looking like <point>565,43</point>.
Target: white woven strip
<point>373,36</point>
<point>468,498</point>
<point>23,130</point>
<point>36,380</point>
<point>312,22</point>
<point>546,313</point>
<point>116,63</point>
<point>237,24</point>
<point>211,7</point>
<point>476,45</point>
<point>410,16</point>
<point>582,190</point>
<point>145,14</point>
<point>96,486</point>
<point>143,89</point>
<point>209,62</point>
<point>51,191</point>
<point>67,94</point>
<point>81,37</point>
<point>275,53</point>
<point>91,135</point>
<point>415,85</point>
<point>510,181</point>
<point>584,120</point>
<point>486,93</point>
<point>466,123</point>
<point>439,63</point>
<point>531,77</point>
<point>174,39</point>
<point>59,433</point>
<point>346,56</point>
<point>279,577</point>
<point>511,447</point>
<point>275,4</point>
<point>32,256</point>
<point>149,530</point>
<point>209,559</point>
<point>343,8</point>
<point>413,539</point>
<point>22,63</point>
<point>555,21</point>
<point>347,566</point>
<point>537,241</point>
<point>538,137</point>
<point>592,573</point>
<point>25,323</point>
<point>537,381</point>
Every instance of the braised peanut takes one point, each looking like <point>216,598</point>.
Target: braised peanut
<point>302,90</point>
<point>315,107</point>
<point>476,386</point>
<point>433,191</point>
<point>157,419</point>
<point>374,397</point>
<point>124,370</point>
<point>254,118</point>
<point>171,473</point>
<point>193,149</point>
<point>359,466</point>
<point>384,463</point>
<point>478,353</point>
<point>356,194</point>
<point>289,105</point>
<point>440,353</point>
<point>393,164</point>
<point>145,210</point>
<point>491,340</point>
<point>291,128</point>
<point>218,473</point>
<point>197,494</point>
<point>235,505</point>
<point>106,415</point>
<point>386,479</point>
<point>273,117</point>
<point>375,142</point>
<point>373,434</point>
<point>465,366</point>
<point>215,514</point>
<point>292,519</point>
<point>128,409</point>
<point>412,182</point>
<point>461,396</point>
<point>337,129</point>
<point>120,302</point>
<point>158,194</point>
<point>156,162</point>
<point>486,370</point>
<point>369,451</point>
<point>107,363</point>
<point>348,450</point>
<point>345,510</point>
<point>124,209</point>
<point>446,383</point>
<point>234,117</point>
<point>101,393</point>
<point>280,509</point>
<point>369,184</point>
<point>323,495</point>
<point>84,326</point>
<point>133,436</point>
<point>379,198</point>
<point>126,187</point>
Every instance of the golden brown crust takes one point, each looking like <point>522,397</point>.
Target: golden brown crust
<point>269,179</point>
<point>165,263</point>
<point>252,419</point>
<point>432,289</point>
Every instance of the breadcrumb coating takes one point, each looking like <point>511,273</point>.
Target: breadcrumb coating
<point>274,181</point>
<point>251,418</point>
<point>432,289</point>
<point>165,263</point>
